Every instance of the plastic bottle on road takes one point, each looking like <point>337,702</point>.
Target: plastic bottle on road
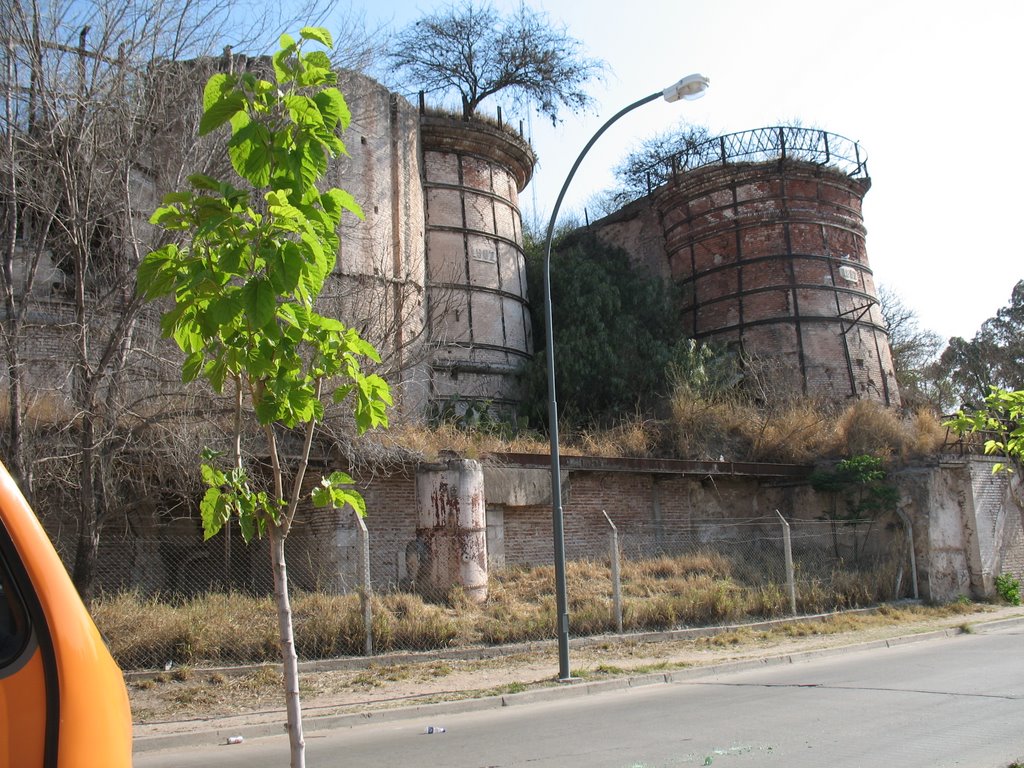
<point>434,729</point>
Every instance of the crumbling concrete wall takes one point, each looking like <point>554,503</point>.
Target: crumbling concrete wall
<point>967,526</point>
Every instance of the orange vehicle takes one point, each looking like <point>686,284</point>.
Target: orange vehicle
<point>63,702</point>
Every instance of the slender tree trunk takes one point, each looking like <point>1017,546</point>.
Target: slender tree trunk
<point>293,705</point>
<point>88,544</point>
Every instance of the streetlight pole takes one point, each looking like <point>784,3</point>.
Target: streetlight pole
<point>689,88</point>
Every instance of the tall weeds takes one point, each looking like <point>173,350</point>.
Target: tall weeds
<point>659,593</point>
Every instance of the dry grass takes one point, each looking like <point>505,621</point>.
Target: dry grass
<point>635,437</point>
<point>701,428</point>
<point>795,431</point>
<point>927,435</point>
<point>430,441</point>
<point>800,431</point>
<point>869,429</point>
<point>199,694</point>
<point>658,593</point>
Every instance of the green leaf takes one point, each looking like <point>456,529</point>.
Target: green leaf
<point>260,302</point>
<point>319,34</point>
<point>202,181</point>
<point>221,112</point>
<point>288,267</point>
<point>250,152</point>
<point>225,308</point>
<point>157,272</point>
<point>212,476</point>
<point>247,525</point>
<point>216,373</point>
<point>316,70</point>
<point>168,217</point>
<point>177,197</point>
<point>268,410</point>
<point>357,502</point>
<point>304,111</point>
<point>212,510</point>
<point>333,107</point>
<point>334,201</point>
<point>192,368</point>
<point>283,66</point>
<point>218,87</point>
<point>336,491</point>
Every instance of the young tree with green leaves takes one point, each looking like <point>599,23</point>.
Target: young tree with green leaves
<point>245,278</point>
<point>860,492</point>
<point>1001,421</point>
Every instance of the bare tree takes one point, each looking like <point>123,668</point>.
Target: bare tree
<point>914,350</point>
<point>472,50</point>
<point>101,104</point>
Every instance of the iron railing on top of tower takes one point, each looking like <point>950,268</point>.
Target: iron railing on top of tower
<point>761,145</point>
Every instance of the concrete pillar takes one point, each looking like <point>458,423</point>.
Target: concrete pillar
<point>451,531</point>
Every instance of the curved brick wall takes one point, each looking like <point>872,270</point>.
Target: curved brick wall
<point>476,270</point>
<point>772,256</point>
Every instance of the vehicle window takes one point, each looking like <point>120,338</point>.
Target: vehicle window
<point>13,619</point>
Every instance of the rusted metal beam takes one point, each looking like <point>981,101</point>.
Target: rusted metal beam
<point>658,466</point>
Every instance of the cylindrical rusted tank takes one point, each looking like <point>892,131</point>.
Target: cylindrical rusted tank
<point>771,257</point>
<point>476,269</point>
<point>451,532</point>
<point>763,232</point>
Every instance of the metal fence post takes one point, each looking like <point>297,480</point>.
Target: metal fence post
<point>910,544</point>
<point>364,581</point>
<point>616,574</point>
<point>787,547</point>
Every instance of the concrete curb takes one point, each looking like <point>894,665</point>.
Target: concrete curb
<point>212,732</point>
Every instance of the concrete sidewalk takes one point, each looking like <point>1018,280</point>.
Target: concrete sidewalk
<point>432,700</point>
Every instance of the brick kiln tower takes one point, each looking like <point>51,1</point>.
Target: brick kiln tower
<point>764,233</point>
<point>479,317</point>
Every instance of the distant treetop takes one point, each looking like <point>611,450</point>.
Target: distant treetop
<point>471,49</point>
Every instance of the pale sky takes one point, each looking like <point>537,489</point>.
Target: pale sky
<point>929,88</point>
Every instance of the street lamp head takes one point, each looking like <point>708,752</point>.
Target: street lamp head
<point>689,88</point>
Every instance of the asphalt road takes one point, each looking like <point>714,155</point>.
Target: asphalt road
<point>949,702</point>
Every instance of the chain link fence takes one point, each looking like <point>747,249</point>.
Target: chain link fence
<point>181,601</point>
<point>715,571</point>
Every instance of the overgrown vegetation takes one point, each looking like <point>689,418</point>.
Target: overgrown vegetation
<point>660,593</point>
<point>994,357</point>
<point>614,332</point>
<point>630,385</point>
<point>859,493</point>
<point>188,692</point>
<point>1008,588</point>
<point>799,431</point>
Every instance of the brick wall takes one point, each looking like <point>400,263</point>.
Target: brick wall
<point>772,257</point>
<point>476,268</point>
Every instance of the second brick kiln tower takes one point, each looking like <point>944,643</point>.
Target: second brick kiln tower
<point>478,313</point>
<point>763,232</point>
